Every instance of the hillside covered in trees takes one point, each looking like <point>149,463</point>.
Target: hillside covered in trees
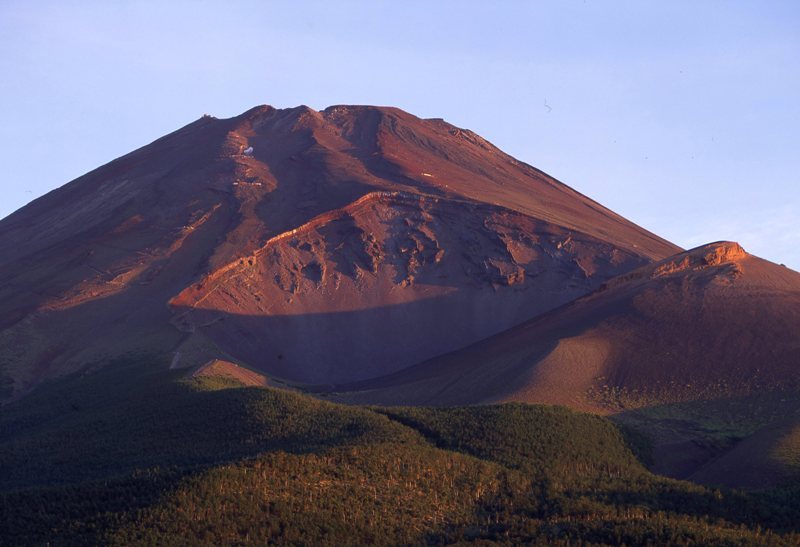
<point>132,454</point>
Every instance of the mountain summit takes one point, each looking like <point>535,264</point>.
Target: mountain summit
<point>328,246</point>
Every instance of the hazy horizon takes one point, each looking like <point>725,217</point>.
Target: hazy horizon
<point>681,117</point>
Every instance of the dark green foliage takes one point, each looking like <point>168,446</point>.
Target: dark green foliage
<point>542,441</point>
<point>134,454</point>
<point>379,493</point>
<point>123,418</point>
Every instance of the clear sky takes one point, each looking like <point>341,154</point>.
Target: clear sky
<point>683,116</point>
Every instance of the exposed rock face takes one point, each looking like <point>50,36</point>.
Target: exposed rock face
<point>707,256</point>
<point>382,237</point>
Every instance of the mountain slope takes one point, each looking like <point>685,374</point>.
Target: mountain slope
<point>712,322</point>
<point>699,351</point>
<point>190,244</point>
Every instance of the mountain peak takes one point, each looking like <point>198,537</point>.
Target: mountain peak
<point>355,222</point>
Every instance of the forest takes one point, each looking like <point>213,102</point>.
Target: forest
<point>130,453</point>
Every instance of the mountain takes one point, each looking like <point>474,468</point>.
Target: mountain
<point>700,350</point>
<point>329,246</point>
<point>161,316</point>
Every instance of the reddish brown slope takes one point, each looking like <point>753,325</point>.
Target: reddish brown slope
<point>389,281</point>
<point>87,271</point>
<point>709,323</point>
<point>386,280</point>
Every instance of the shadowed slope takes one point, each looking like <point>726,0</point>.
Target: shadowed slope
<point>710,322</point>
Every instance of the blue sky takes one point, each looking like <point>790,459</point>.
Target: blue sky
<point>682,116</point>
